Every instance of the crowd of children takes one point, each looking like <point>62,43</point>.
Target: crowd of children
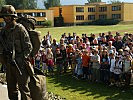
<point>105,58</point>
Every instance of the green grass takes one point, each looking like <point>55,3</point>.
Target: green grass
<point>73,89</point>
<point>57,31</point>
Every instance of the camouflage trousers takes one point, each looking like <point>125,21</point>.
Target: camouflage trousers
<point>16,81</point>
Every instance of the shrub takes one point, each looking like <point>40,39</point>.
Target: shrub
<point>47,23</point>
<point>58,21</point>
<point>106,22</point>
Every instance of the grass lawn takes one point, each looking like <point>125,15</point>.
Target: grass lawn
<point>57,31</point>
<point>73,89</point>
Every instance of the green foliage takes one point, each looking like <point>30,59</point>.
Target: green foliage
<point>51,3</point>
<point>106,22</point>
<point>100,22</point>
<point>2,2</point>
<point>22,4</point>
<point>58,21</point>
<point>47,23</point>
<point>93,1</point>
<point>114,1</point>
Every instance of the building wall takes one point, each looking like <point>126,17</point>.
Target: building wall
<point>128,12</point>
<point>117,12</point>
<point>43,15</point>
<point>56,11</point>
<point>90,13</point>
<point>69,12</point>
<point>50,16</point>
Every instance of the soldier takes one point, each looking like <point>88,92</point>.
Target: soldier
<point>37,83</point>
<point>17,48</point>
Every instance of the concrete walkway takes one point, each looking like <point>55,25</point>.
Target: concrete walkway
<point>3,92</point>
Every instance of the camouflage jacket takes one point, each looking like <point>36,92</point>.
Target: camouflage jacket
<point>19,37</point>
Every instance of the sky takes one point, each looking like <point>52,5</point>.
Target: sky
<point>72,2</point>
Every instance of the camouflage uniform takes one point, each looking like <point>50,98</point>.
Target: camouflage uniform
<point>37,83</point>
<point>18,36</point>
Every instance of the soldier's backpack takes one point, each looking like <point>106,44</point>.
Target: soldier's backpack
<point>35,40</point>
<point>29,23</point>
<point>37,86</point>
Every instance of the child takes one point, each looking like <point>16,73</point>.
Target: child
<point>95,66</point>
<point>117,70</point>
<point>76,56</point>
<point>50,62</point>
<point>59,61</point>
<point>85,63</point>
<point>111,66</point>
<point>38,59</point>
<point>70,53</point>
<point>64,57</point>
<point>127,69</point>
<point>104,69</point>
<point>44,60</point>
<point>88,46</point>
<point>79,65</point>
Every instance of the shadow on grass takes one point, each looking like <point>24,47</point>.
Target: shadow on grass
<point>96,90</point>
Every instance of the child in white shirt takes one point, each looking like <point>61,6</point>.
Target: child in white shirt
<point>117,69</point>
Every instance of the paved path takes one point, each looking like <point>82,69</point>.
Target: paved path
<point>3,92</point>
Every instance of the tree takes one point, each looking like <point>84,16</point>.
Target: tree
<point>2,2</point>
<point>51,3</point>
<point>22,4</point>
<point>93,1</point>
<point>114,1</point>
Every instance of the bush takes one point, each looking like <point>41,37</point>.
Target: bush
<point>47,23</point>
<point>58,21</point>
<point>105,22</point>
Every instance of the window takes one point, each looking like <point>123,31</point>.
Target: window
<point>40,22</point>
<point>28,14</point>
<point>40,14</point>
<point>91,17</point>
<point>44,14</point>
<point>80,17</point>
<point>79,9</point>
<point>91,9</point>
<point>102,9</point>
<point>116,16</point>
<point>103,16</point>
<point>116,8</point>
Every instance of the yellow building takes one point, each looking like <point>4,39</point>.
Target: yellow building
<point>39,14</point>
<point>77,14</point>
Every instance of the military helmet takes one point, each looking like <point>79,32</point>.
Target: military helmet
<point>26,19</point>
<point>8,10</point>
<point>31,19</point>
